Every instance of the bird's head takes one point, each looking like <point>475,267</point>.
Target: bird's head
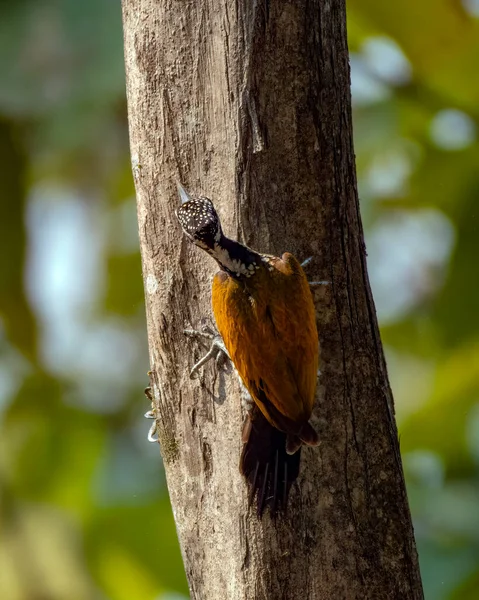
<point>199,220</point>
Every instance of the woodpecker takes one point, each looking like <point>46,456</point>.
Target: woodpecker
<point>265,314</point>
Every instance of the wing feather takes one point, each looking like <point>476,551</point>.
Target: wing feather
<point>269,329</point>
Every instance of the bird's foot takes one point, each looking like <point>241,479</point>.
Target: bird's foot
<point>304,264</point>
<point>247,401</point>
<point>217,350</point>
<point>151,414</point>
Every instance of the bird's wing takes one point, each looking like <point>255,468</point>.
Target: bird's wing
<point>269,329</point>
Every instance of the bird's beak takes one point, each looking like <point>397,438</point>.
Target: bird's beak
<point>184,196</point>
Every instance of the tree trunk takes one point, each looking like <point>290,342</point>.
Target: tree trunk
<point>249,103</point>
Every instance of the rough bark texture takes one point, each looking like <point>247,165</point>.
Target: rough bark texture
<point>249,103</point>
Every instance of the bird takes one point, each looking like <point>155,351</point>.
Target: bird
<point>265,315</point>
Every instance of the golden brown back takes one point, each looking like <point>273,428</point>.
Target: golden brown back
<point>268,326</point>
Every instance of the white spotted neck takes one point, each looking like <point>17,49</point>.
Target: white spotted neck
<point>234,258</point>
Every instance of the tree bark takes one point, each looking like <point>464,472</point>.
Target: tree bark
<point>249,103</point>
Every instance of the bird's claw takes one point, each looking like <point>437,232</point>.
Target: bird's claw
<point>305,263</point>
<point>216,351</point>
<point>151,414</point>
<point>207,333</point>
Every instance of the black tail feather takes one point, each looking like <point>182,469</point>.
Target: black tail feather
<point>275,482</point>
<point>265,464</point>
<point>262,497</point>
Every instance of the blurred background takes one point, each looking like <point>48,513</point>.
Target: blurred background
<point>84,512</point>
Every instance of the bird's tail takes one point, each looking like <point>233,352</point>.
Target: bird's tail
<point>268,468</point>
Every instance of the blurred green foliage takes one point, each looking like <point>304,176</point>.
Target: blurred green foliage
<point>84,511</point>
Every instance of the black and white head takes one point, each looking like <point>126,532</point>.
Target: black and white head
<point>199,220</point>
